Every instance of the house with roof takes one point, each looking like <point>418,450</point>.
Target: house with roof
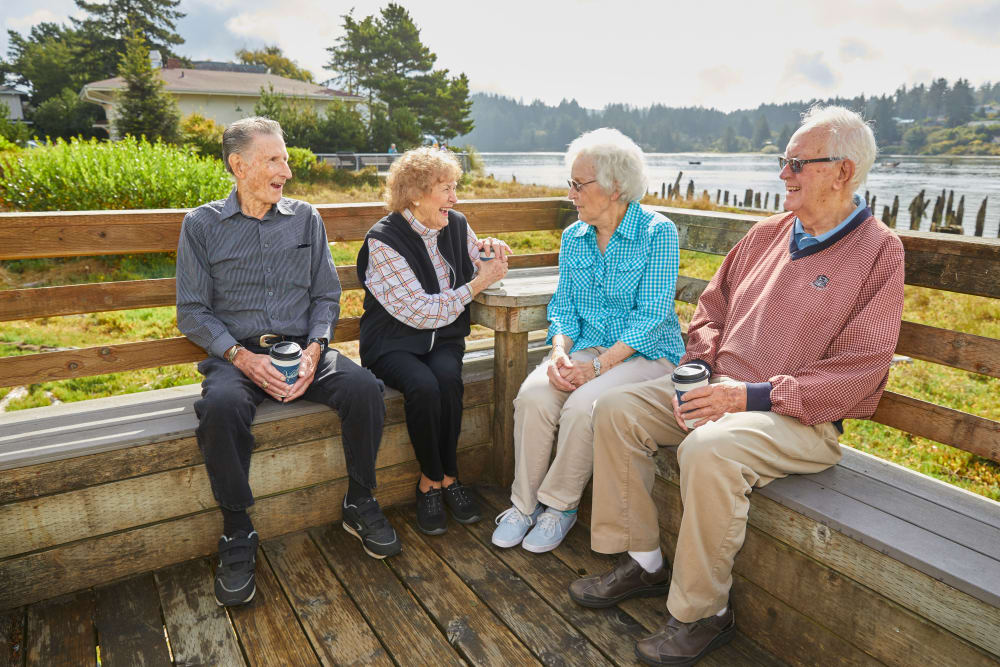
<point>224,94</point>
<point>14,101</point>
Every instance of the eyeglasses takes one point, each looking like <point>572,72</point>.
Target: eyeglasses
<point>576,187</point>
<point>796,164</point>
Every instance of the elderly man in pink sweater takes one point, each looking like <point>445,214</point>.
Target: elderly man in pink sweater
<point>797,330</point>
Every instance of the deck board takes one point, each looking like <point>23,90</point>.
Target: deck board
<point>198,628</point>
<point>129,626</point>
<point>450,599</point>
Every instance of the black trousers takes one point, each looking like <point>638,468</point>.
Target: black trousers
<point>432,390</point>
<point>229,401</point>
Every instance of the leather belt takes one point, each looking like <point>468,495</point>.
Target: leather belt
<point>267,340</point>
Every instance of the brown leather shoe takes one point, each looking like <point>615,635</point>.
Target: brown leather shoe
<point>679,644</point>
<point>626,580</point>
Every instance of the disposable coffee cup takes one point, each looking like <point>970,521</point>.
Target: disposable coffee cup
<point>686,378</point>
<point>483,257</point>
<point>286,357</point>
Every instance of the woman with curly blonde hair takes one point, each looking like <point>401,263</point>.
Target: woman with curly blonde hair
<point>421,265</point>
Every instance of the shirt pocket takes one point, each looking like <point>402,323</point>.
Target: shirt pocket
<point>625,279</point>
<point>583,285</point>
<point>293,266</point>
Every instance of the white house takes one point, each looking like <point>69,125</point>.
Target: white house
<point>12,98</point>
<point>223,96</point>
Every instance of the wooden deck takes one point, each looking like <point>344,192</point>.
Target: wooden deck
<point>445,600</point>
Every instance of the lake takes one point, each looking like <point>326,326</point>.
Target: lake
<point>974,177</point>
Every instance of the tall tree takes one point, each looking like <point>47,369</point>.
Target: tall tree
<point>745,129</point>
<point>44,61</point>
<point>108,25</point>
<point>143,106</point>
<point>935,97</point>
<point>276,62</point>
<point>761,133</point>
<point>382,58</point>
<point>785,137</point>
<point>886,132</point>
<point>959,103</point>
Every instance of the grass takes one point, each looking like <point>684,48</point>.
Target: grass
<point>956,389</point>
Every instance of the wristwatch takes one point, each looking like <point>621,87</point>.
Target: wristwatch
<point>323,344</point>
<point>597,367</point>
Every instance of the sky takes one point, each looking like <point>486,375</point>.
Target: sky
<point>723,54</point>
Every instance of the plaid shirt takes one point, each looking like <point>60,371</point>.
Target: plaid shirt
<point>625,294</point>
<point>392,282</point>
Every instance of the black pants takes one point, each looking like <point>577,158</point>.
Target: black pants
<point>432,391</point>
<point>229,401</point>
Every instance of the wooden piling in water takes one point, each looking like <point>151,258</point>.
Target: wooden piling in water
<point>872,204</point>
<point>981,218</point>
<point>690,190</point>
<point>777,202</point>
<point>917,208</point>
<point>725,199</point>
<point>748,198</point>
<point>767,196</point>
<point>718,196</point>
<point>887,216</point>
<point>895,210</point>
<point>960,213</point>
<point>663,190</point>
<point>938,213</point>
<point>756,200</point>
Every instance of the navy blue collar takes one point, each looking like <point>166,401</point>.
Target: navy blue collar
<point>855,222</point>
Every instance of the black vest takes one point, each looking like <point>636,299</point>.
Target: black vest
<point>380,331</point>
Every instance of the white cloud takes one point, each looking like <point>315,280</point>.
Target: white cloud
<point>24,23</point>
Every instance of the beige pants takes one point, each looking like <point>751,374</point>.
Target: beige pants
<point>541,412</point>
<point>720,462</point>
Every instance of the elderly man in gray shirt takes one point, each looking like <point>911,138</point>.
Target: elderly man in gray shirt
<point>253,270</point>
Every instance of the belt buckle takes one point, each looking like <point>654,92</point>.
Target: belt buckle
<point>265,340</point>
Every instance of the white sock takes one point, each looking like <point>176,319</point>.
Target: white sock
<point>651,561</point>
<point>723,610</point>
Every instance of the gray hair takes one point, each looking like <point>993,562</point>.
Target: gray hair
<point>618,161</point>
<point>848,136</point>
<point>237,137</point>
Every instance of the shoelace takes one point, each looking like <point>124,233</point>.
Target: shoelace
<point>548,522</point>
<point>511,515</point>
<point>435,501</point>
<point>458,492</point>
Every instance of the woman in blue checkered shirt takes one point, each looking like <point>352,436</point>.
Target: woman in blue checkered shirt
<point>611,322</point>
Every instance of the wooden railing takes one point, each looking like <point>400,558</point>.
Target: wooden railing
<point>939,261</point>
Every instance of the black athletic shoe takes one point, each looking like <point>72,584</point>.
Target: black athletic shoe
<point>463,505</point>
<point>235,582</point>
<point>431,519</point>
<point>365,521</point>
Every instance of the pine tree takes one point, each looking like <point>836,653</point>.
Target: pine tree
<point>761,133</point>
<point>785,137</point>
<point>107,26</point>
<point>959,103</point>
<point>143,106</point>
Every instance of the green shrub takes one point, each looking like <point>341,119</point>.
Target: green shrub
<point>202,133</point>
<point>90,175</point>
<point>302,162</point>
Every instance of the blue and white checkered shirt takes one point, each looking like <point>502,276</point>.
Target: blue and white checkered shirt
<point>626,294</point>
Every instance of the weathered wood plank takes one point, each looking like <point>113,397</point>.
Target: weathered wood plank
<point>395,616</point>
<point>510,367</point>
<point>77,233</point>
<point>197,627</point>
<point>99,359</point>
<point>169,446</point>
<point>12,624</point>
<point>337,630</point>
<point>129,628</point>
<point>267,627</point>
<point>976,354</point>
<point>959,429</point>
<point>535,623</point>
<point>41,523</point>
<point>61,631</point>
<point>23,304</point>
<point>70,567</point>
<point>472,628</point>
<point>957,264</point>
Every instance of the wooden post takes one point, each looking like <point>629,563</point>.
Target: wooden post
<point>887,217</point>
<point>917,208</point>
<point>777,202</point>
<point>510,367</point>
<point>960,214</point>
<point>938,213</point>
<point>895,210</point>
<point>872,205</point>
<point>706,197</point>
<point>663,190</point>
<point>868,196</point>
<point>756,200</point>
<point>981,218</point>
<point>767,197</point>
<point>690,190</point>
<point>677,184</point>
<point>725,198</point>
<point>718,196</point>
<point>748,198</point>
<point>951,201</point>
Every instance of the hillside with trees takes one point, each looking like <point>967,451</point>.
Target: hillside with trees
<point>924,119</point>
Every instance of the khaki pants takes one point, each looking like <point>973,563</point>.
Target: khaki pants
<point>541,412</point>
<point>720,462</point>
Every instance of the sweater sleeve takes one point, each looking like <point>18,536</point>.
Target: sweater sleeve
<point>848,382</point>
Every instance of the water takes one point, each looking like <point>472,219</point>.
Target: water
<point>974,177</point>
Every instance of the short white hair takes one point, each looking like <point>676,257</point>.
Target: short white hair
<point>848,136</point>
<point>618,162</point>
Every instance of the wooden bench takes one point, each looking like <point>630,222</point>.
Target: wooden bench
<point>864,562</point>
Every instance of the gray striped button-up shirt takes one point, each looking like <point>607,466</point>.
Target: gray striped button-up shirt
<point>239,277</point>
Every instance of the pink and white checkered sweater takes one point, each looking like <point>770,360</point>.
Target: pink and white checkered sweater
<point>821,327</point>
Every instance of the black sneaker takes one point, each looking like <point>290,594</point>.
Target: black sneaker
<point>235,582</point>
<point>463,505</point>
<point>366,522</point>
<point>431,519</point>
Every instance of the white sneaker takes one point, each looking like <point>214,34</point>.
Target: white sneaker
<point>512,525</point>
<point>550,531</point>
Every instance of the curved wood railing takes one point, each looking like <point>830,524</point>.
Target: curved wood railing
<point>960,264</point>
